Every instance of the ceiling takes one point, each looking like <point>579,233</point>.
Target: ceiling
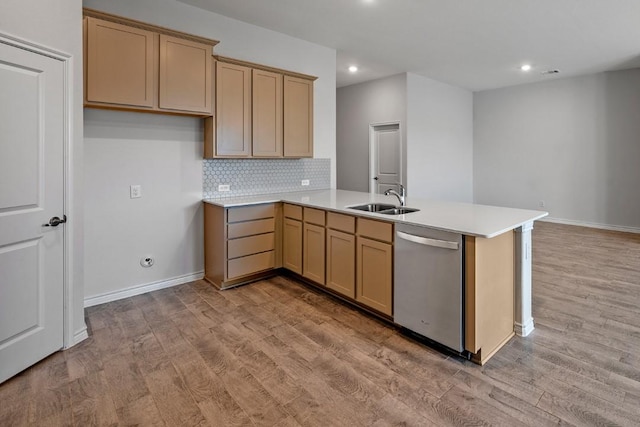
<point>473,44</point>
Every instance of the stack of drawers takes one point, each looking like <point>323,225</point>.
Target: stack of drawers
<point>250,240</point>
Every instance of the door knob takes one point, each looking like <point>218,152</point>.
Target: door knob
<point>55,221</point>
<point>375,177</point>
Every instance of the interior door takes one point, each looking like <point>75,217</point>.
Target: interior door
<point>386,166</point>
<point>31,192</point>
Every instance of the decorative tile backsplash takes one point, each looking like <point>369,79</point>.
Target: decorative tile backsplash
<point>247,177</point>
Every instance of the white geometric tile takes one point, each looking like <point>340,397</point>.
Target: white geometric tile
<point>248,177</point>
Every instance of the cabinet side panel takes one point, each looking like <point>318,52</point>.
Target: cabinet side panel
<point>470,331</point>
<point>494,292</point>
<point>214,244</point>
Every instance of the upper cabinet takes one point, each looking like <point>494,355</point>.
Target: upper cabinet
<point>260,112</point>
<point>233,110</point>
<point>135,66</point>
<point>298,117</point>
<point>119,67</point>
<point>185,75</point>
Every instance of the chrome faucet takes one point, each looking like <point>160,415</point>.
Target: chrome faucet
<point>401,196</point>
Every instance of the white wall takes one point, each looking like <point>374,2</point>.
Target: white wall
<point>574,143</point>
<point>439,140</point>
<point>358,106</point>
<point>164,155</point>
<point>57,25</point>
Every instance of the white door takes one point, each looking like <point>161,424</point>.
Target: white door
<point>31,192</point>
<point>386,158</point>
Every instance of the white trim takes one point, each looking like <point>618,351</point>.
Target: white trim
<point>142,289</point>
<point>622,228</point>
<point>372,159</point>
<point>69,338</point>
<point>80,336</point>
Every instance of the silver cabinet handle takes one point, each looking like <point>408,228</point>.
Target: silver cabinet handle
<point>428,242</point>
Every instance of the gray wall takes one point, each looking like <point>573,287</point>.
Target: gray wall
<point>574,143</point>
<point>439,140</point>
<point>358,106</point>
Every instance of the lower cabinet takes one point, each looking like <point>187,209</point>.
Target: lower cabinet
<point>241,244</point>
<point>341,263</point>
<point>374,274</point>
<point>313,245</point>
<point>292,245</point>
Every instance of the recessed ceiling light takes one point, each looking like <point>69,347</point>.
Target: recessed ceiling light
<point>526,67</point>
<point>353,68</point>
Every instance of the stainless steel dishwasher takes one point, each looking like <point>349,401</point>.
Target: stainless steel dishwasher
<point>428,284</point>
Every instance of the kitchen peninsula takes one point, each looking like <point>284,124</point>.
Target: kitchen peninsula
<point>318,236</point>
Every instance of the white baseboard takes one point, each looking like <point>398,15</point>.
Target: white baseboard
<point>592,225</point>
<point>80,336</point>
<point>141,289</point>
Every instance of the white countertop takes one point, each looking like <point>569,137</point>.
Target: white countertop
<point>464,218</point>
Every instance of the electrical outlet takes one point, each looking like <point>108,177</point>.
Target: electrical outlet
<point>542,204</point>
<point>305,182</point>
<point>224,187</point>
<point>135,191</point>
<point>146,261</point>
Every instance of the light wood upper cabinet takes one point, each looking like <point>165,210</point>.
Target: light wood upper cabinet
<point>298,117</point>
<point>185,75</point>
<point>267,113</point>
<point>271,116</point>
<point>120,66</point>
<point>233,110</point>
<point>131,65</point>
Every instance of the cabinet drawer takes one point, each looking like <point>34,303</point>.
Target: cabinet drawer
<point>250,245</point>
<point>248,213</point>
<point>314,216</point>
<point>346,223</point>
<point>250,228</point>
<point>293,211</point>
<point>250,264</point>
<point>377,230</point>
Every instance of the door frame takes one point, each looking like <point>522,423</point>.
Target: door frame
<point>372,151</point>
<point>70,337</point>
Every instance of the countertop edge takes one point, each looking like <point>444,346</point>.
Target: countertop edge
<point>291,198</point>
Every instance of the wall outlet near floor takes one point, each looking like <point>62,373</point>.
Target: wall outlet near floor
<point>135,191</point>
<point>146,261</point>
<point>305,182</point>
<point>224,187</point>
<point>542,204</point>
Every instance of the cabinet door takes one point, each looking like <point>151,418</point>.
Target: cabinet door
<point>119,65</point>
<point>233,110</point>
<point>298,117</point>
<point>313,255</point>
<point>292,245</point>
<point>374,274</point>
<point>267,114</point>
<point>185,75</point>
<point>341,262</point>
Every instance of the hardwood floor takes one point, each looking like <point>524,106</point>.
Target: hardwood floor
<point>278,353</point>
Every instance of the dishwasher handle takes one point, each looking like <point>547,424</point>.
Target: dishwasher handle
<point>428,241</point>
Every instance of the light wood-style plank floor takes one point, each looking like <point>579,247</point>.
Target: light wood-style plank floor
<point>278,353</point>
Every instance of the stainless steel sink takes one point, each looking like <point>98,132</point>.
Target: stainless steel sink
<point>399,211</point>
<point>384,209</point>
<point>373,207</point>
